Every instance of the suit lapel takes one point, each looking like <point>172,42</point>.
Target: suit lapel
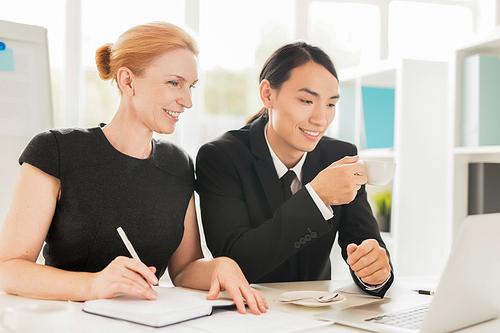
<point>264,165</point>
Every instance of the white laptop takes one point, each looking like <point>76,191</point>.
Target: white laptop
<point>468,292</point>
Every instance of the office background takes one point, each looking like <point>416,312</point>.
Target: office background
<point>398,45</point>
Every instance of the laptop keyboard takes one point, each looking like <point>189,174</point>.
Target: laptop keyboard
<point>410,319</point>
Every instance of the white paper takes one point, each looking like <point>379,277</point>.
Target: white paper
<point>272,321</point>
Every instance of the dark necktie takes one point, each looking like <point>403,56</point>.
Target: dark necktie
<point>286,183</point>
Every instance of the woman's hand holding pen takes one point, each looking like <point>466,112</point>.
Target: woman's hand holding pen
<point>124,275</point>
<point>227,275</point>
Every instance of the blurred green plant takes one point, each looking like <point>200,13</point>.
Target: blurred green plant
<point>382,201</point>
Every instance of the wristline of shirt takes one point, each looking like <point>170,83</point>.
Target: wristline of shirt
<point>325,210</point>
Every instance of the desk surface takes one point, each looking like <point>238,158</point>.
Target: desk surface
<point>271,291</point>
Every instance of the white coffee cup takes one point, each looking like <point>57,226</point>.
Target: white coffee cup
<point>50,316</point>
<point>379,172</point>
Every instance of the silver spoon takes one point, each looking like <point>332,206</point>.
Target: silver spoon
<point>320,299</point>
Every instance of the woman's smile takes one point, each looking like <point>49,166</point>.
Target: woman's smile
<point>173,114</point>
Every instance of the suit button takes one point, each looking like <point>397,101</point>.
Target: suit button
<point>296,245</point>
<point>314,234</point>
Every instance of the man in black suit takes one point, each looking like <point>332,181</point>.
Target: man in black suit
<point>250,215</point>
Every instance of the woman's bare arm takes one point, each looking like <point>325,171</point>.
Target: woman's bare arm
<point>23,232</point>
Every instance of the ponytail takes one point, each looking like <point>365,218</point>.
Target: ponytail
<point>262,112</point>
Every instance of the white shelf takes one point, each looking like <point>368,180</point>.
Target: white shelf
<point>421,108</point>
<point>378,74</point>
<point>489,44</point>
<point>481,150</point>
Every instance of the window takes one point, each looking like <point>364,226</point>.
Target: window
<point>426,30</point>
<point>348,32</point>
<point>235,40</point>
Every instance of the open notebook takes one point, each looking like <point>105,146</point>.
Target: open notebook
<point>173,305</point>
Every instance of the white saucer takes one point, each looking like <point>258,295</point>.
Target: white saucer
<point>311,293</point>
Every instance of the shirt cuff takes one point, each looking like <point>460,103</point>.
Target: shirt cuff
<point>377,287</point>
<point>325,210</point>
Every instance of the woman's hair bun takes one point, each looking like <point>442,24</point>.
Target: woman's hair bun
<point>102,59</point>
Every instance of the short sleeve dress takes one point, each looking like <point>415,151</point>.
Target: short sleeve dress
<point>103,189</point>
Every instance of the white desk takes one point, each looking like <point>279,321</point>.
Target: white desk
<point>271,291</point>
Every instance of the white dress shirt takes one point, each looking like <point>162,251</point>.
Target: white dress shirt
<point>281,169</point>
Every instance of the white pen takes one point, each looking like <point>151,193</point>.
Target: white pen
<point>129,246</point>
<point>127,243</point>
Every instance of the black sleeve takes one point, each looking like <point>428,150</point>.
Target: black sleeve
<point>358,224</point>
<point>43,152</point>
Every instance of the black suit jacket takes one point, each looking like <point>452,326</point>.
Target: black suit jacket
<point>245,217</point>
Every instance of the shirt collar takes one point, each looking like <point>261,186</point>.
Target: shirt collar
<point>281,169</point>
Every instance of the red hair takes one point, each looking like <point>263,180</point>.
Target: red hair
<point>139,46</point>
